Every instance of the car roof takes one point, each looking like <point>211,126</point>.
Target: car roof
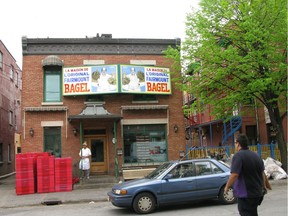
<point>193,160</point>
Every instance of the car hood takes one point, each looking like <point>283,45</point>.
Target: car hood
<point>136,182</point>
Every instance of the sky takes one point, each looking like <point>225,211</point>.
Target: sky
<point>151,19</point>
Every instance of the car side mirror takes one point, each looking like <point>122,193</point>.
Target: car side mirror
<point>168,176</point>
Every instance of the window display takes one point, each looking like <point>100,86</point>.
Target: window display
<point>145,143</point>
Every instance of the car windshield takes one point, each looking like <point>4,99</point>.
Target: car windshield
<point>159,170</point>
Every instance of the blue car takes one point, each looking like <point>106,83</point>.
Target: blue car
<point>174,182</point>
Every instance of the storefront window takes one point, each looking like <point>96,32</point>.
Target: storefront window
<point>145,143</point>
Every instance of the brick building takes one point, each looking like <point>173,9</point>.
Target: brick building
<point>10,113</point>
<point>204,130</point>
<point>116,94</point>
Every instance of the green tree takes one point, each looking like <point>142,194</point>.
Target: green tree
<point>235,52</point>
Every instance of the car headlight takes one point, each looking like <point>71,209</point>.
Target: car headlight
<point>120,192</point>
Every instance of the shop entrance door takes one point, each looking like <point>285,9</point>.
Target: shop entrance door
<point>98,147</point>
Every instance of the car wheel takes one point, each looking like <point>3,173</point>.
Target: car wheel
<point>227,198</point>
<point>144,203</point>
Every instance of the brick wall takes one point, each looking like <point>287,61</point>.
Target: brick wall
<point>10,101</point>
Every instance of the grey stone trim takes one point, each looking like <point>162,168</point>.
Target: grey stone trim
<point>96,45</point>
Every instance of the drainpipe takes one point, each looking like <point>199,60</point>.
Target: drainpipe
<point>81,141</point>
<point>81,138</point>
<point>114,141</point>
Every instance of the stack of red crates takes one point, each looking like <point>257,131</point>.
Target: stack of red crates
<point>42,173</point>
<point>26,181</point>
<point>45,174</point>
<point>25,175</point>
<point>63,174</point>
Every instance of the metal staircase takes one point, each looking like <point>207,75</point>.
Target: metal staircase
<point>230,128</point>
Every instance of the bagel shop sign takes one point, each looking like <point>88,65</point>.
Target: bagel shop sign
<point>103,79</point>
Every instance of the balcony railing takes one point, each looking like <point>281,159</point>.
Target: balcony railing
<point>225,152</point>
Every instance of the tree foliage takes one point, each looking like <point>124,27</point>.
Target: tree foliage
<point>236,52</point>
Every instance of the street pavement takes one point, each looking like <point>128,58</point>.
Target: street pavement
<point>9,198</point>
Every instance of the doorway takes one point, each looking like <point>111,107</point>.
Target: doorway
<point>98,147</point>
<point>251,131</point>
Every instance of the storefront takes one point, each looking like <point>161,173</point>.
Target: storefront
<point>117,95</point>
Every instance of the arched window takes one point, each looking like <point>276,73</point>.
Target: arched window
<point>52,66</point>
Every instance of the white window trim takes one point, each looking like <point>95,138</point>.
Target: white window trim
<point>52,123</point>
<point>52,103</point>
<point>143,121</point>
<point>143,62</point>
<point>93,62</point>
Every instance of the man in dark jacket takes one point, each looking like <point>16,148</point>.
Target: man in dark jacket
<point>247,177</point>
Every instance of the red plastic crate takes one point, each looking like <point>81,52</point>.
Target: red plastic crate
<point>45,184</point>
<point>63,181</point>
<point>45,166</point>
<point>63,164</point>
<point>63,174</point>
<point>26,172</point>
<point>25,186</point>
<point>62,188</point>
<point>45,174</point>
<point>25,164</point>
<point>32,154</point>
<point>25,175</point>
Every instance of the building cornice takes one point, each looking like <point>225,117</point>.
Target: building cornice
<point>96,45</point>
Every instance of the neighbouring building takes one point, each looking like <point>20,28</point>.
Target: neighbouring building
<point>10,112</point>
<point>115,94</point>
<point>204,130</point>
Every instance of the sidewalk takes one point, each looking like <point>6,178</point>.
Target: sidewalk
<point>9,198</point>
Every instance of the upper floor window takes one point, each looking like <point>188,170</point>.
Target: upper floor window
<point>52,84</point>
<point>16,79</point>
<point>193,68</point>
<point>1,60</point>
<point>11,118</point>
<point>11,72</point>
<point>1,152</point>
<point>15,122</point>
<point>9,153</point>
